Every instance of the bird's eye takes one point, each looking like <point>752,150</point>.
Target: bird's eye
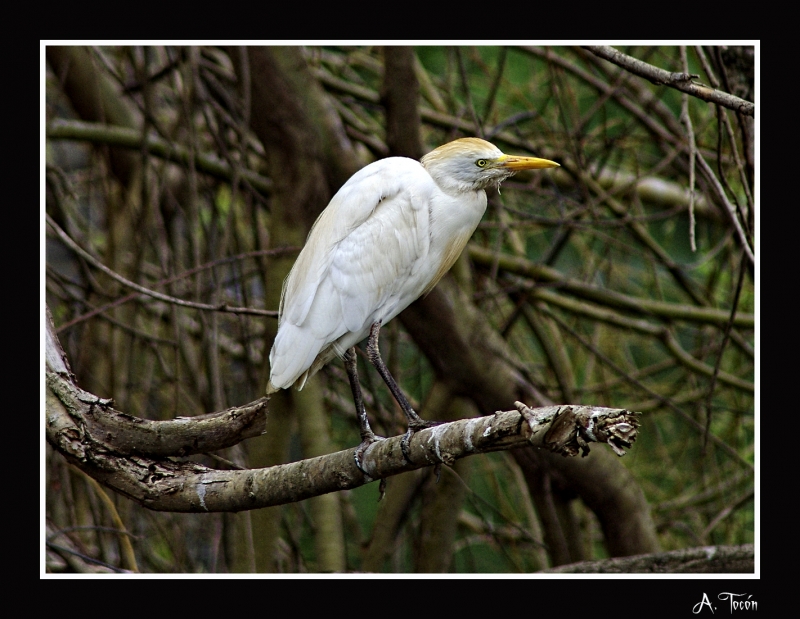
<point>481,163</point>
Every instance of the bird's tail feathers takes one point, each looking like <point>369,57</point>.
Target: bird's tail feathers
<point>292,357</point>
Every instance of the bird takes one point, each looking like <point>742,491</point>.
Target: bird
<point>386,238</point>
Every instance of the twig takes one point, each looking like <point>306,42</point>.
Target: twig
<point>729,129</point>
<point>720,192</point>
<point>65,238</point>
<point>726,335</point>
<point>639,385</point>
<point>124,540</point>
<point>679,81</point>
<point>687,122</point>
<point>63,549</point>
<point>279,251</point>
<point>727,511</point>
<point>668,311</point>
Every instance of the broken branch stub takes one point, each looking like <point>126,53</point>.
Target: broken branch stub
<point>574,427</point>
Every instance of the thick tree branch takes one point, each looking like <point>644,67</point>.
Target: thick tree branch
<point>168,485</point>
<point>116,448</point>
<point>127,435</point>
<point>705,560</point>
<point>96,425</point>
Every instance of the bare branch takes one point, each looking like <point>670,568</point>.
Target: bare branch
<point>123,434</point>
<point>166,485</point>
<point>278,251</point>
<point>98,133</point>
<point>102,442</point>
<point>720,192</point>
<point>642,326</point>
<point>706,560</point>
<point>679,81</point>
<point>661,309</point>
<point>65,238</point>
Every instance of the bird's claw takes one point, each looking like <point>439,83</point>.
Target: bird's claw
<point>405,444</point>
<point>414,427</point>
<point>362,448</point>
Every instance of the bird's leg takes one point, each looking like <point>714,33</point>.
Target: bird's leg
<point>415,422</point>
<point>367,435</point>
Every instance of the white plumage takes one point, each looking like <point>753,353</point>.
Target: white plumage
<point>387,236</point>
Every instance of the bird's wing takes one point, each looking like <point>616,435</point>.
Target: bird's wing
<point>361,263</point>
<point>385,183</point>
<point>375,268</point>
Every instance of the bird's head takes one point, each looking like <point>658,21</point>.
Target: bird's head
<point>470,164</point>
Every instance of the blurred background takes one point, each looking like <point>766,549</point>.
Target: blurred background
<point>625,279</point>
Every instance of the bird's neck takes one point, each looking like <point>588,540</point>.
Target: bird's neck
<point>456,188</point>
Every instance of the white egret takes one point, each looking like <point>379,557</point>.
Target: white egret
<point>386,238</point>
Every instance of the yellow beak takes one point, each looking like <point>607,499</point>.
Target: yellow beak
<point>512,162</point>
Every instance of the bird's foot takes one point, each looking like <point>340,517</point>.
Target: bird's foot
<point>366,441</point>
<point>414,427</point>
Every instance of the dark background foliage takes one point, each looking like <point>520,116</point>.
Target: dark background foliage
<point>624,279</point>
